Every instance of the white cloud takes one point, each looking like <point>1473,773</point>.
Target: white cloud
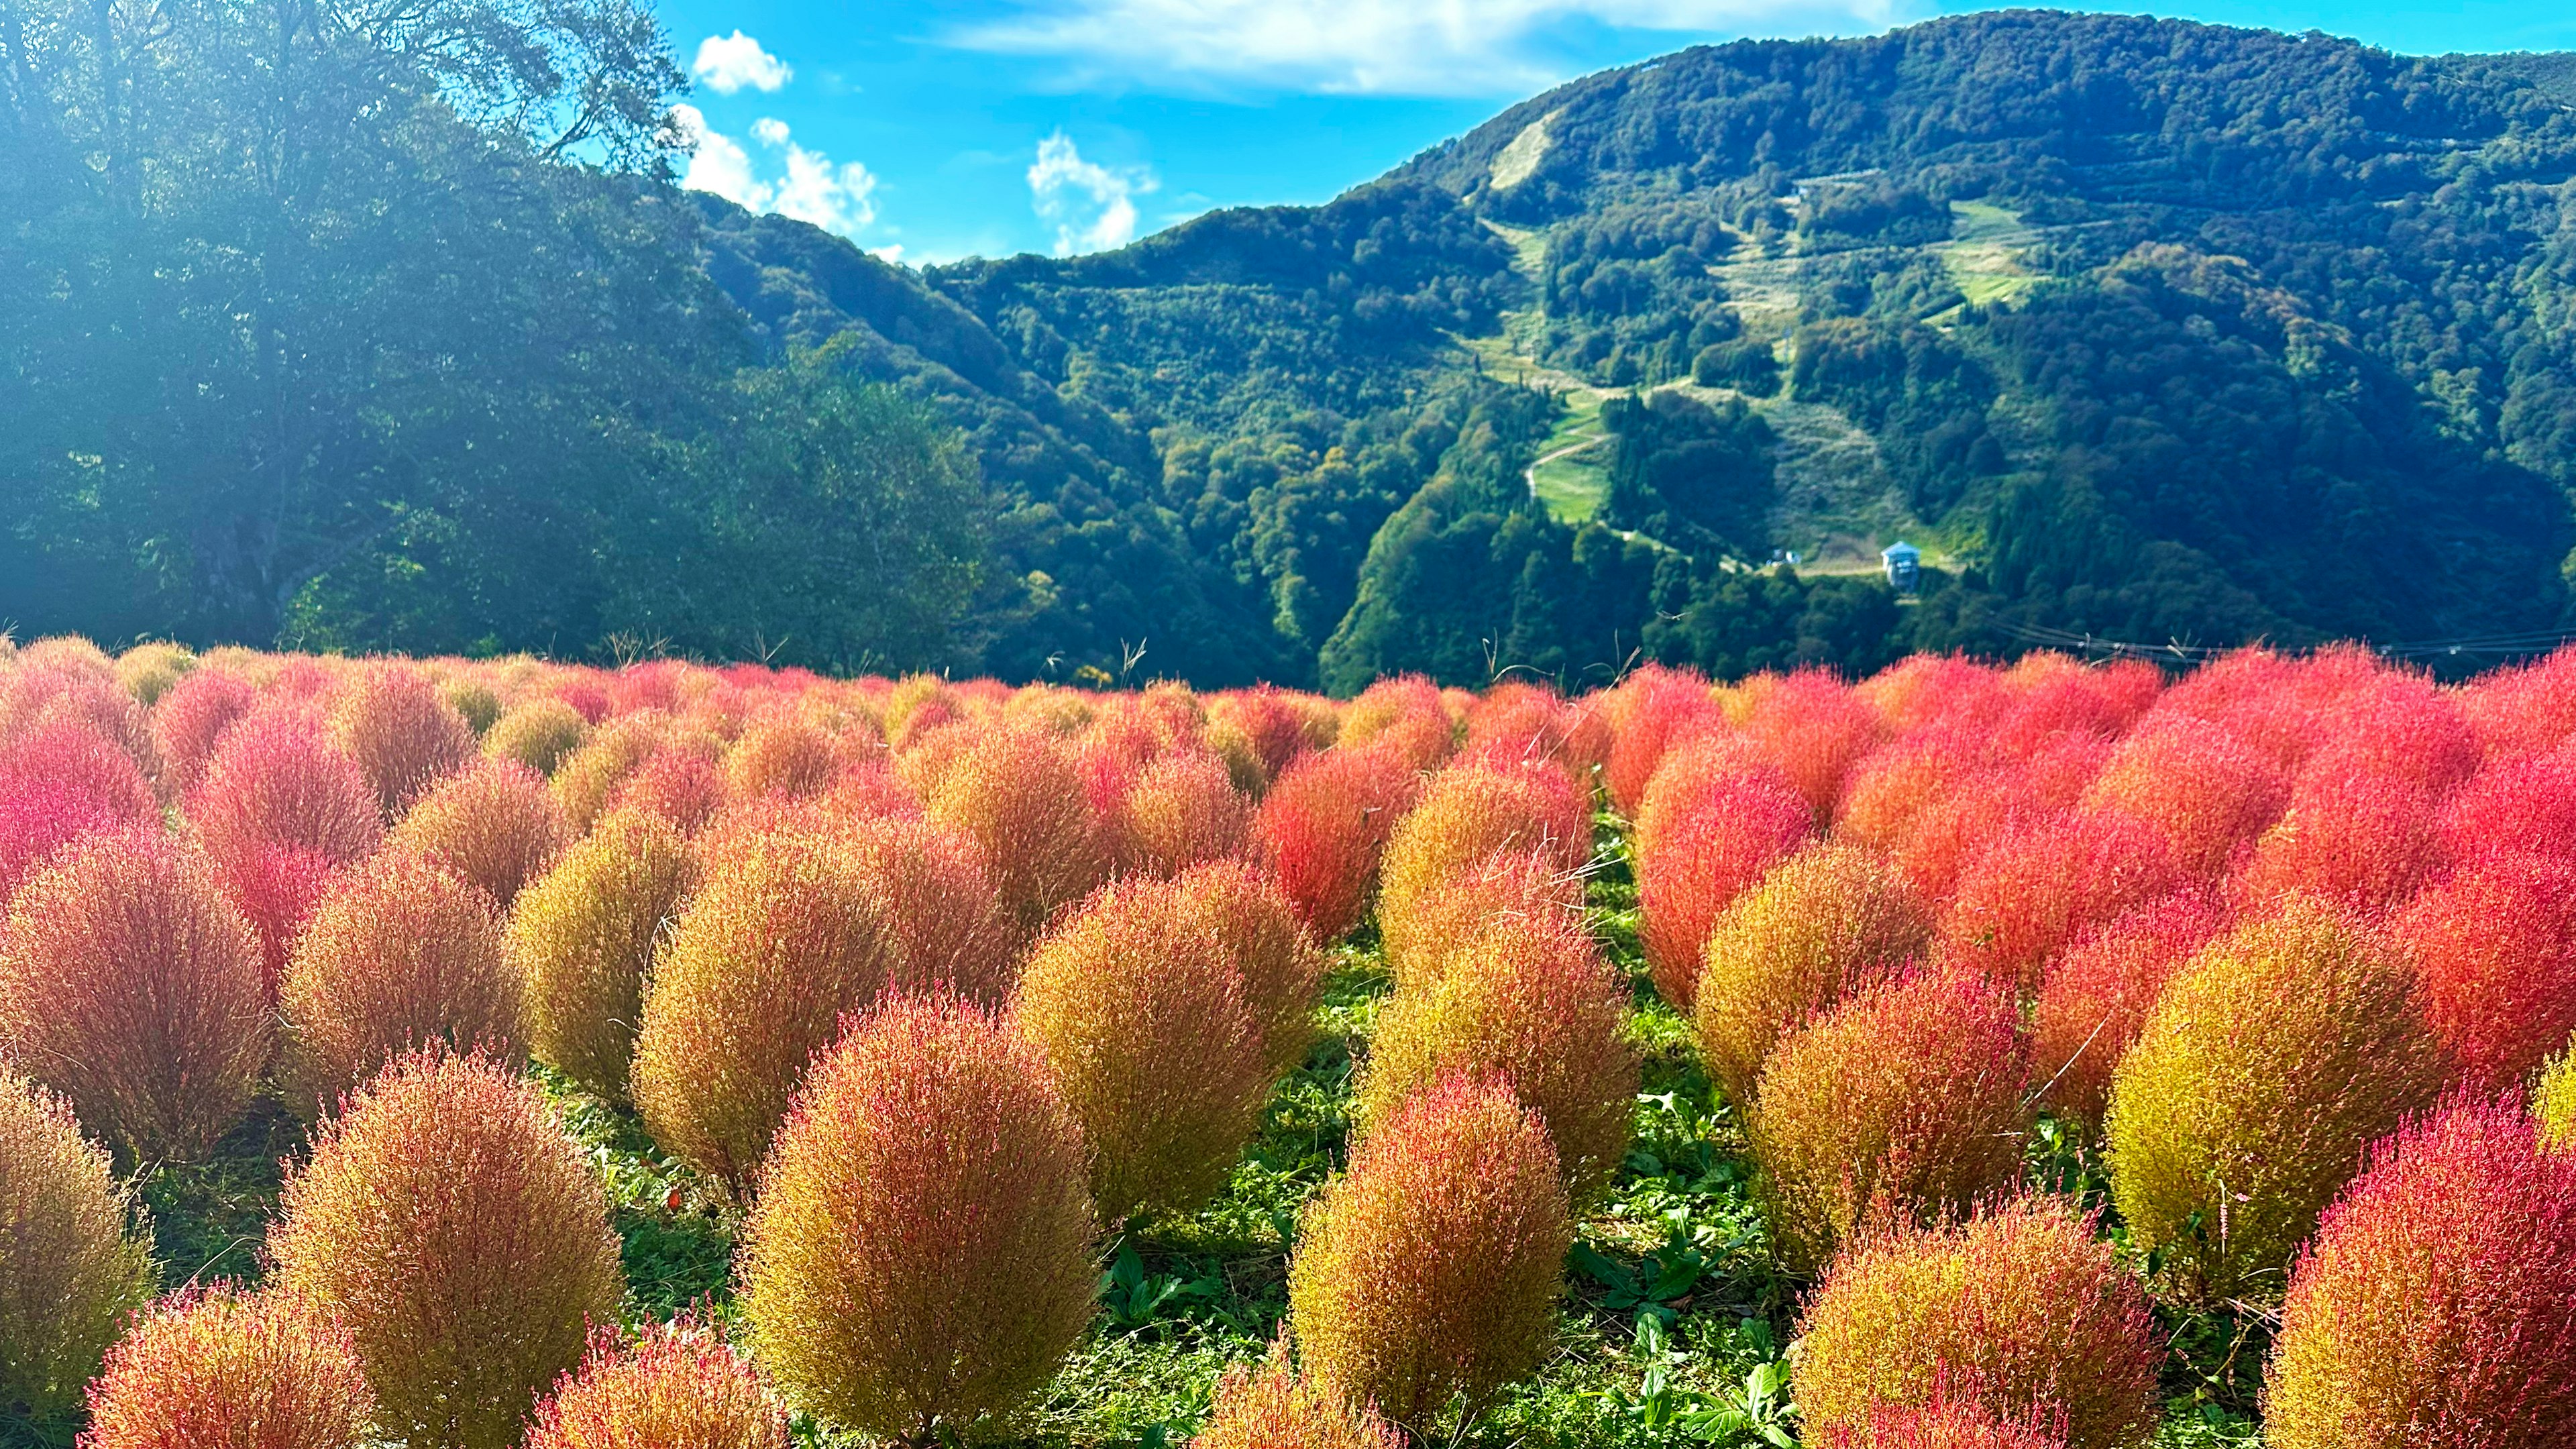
<point>1092,207</point>
<point>805,185</point>
<point>1404,47</point>
<point>728,63</point>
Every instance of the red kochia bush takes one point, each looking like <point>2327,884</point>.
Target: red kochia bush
<point>1945,1422</point>
<point>131,986</point>
<point>191,717</point>
<point>1018,795</point>
<point>1429,1272</point>
<point>401,955</point>
<point>492,823</point>
<point>2516,807</point>
<point>2495,948</point>
<point>1903,1102</point>
<point>1276,1407</point>
<point>1718,825</point>
<point>67,1271</point>
<point>2365,840</point>
<point>36,821</point>
<point>277,889</point>
<point>921,1252</point>
<point>2034,889</point>
<point>1323,830</point>
<point>678,1387</point>
<point>1816,729</point>
<point>2205,789</point>
<point>452,1228</point>
<point>1180,811</point>
<point>69,758</point>
<point>784,939</point>
<point>2021,1310</point>
<point>221,1368</point>
<point>1141,1014</point>
<point>1530,1005</point>
<point>2437,1303</point>
<point>931,887</point>
<point>1654,709</point>
<point>2099,991</point>
<point>392,722</point>
<point>2519,712</point>
<point>277,780</point>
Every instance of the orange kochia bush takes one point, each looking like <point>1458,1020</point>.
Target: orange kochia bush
<point>1018,795</point>
<point>221,1368</point>
<point>921,1254</point>
<point>2495,948</point>
<point>1276,1407</point>
<point>677,1387</point>
<point>402,735</point>
<point>493,823</point>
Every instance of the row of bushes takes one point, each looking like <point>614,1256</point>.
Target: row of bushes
<point>937,980</point>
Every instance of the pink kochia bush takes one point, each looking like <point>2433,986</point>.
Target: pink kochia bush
<point>921,1254</point>
<point>2437,1303</point>
<point>277,780</point>
<point>132,987</point>
<point>2495,948</point>
<point>1323,830</point>
<point>221,1368</point>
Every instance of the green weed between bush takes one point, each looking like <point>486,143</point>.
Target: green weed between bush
<point>1676,1328</point>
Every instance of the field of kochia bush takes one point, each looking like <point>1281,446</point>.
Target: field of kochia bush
<point>2051,1056</point>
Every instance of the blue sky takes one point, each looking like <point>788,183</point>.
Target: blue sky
<point>933,131</point>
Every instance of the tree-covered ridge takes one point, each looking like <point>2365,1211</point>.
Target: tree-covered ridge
<point>2144,329</point>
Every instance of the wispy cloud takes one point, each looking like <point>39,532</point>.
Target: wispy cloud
<point>730,63</point>
<point>1404,47</point>
<point>798,183</point>
<point>1091,207</point>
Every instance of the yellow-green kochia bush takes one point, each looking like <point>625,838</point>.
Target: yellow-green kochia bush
<point>1428,1274</point>
<point>455,1232</point>
<point>1276,1407</point>
<point>582,939</point>
<point>921,1254</point>
<point>2269,1063</point>
<point>67,1270</point>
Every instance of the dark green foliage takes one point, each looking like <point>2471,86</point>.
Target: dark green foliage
<point>1695,475</point>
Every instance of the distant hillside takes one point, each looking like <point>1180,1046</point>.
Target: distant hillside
<point>2142,330</point>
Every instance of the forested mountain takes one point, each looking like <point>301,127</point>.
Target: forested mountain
<point>2143,329</point>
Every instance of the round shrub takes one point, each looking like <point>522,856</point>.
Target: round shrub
<point>69,758</point>
<point>582,938</point>
<point>455,1232</point>
<point>2034,889</point>
<point>221,1368</point>
<point>1469,814</point>
<point>2205,789</point>
<point>2437,1303</point>
<point>1282,971</point>
<point>2020,1310</point>
<point>1944,1422</point>
<point>1259,731</point>
<point>2364,840</point>
<point>1140,1013</point>
<point>540,734</point>
<point>921,1252</point>
<point>1182,810</point>
<point>782,940</point>
<point>586,782</point>
<point>66,1269</point>
<point>404,738</point>
<point>1815,728</point>
<point>678,1387</point>
<point>149,669</point>
<point>1429,1272</point>
<point>781,757</point>
<point>474,701</point>
<point>277,780</point>
<point>1403,716</point>
<point>938,900</point>
<point>1655,708</point>
<point>1323,830</point>
<point>2268,1064</point>
<point>492,823</point>
<point>2495,947</point>
<point>191,717</point>
<point>37,821</point>
<point>1704,855</point>
<point>1825,921</point>
<point>1512,888</point>
<point>1276,1407</point>
<point>277,889</point>
<point>1018,795</point>
<point>1904,1102</point>
<point>1531,1006</point>
<point>2099,991</point>
<point>132,987</point>
<point>681,783</point>
<point>401,955</point>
